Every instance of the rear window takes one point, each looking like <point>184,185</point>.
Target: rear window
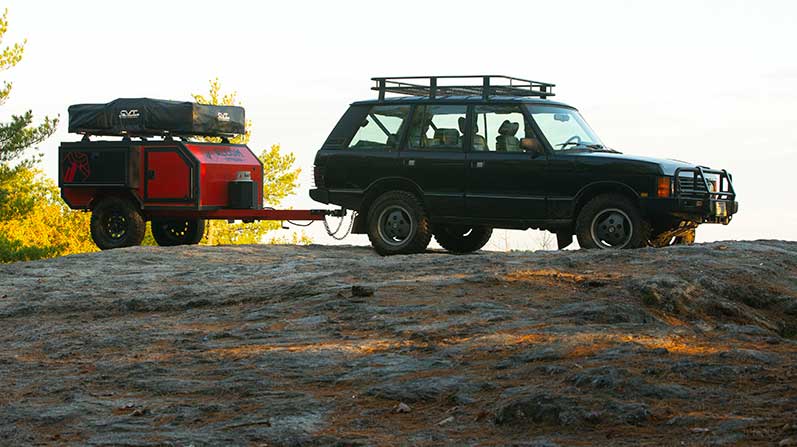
<point>381,128</point>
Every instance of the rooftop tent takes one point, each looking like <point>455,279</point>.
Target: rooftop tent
<point>144,116</point>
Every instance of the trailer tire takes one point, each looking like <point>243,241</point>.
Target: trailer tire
<point>462,239</point>
<point>398,224</point>
<point>171,232</point>
<point>116,223</point>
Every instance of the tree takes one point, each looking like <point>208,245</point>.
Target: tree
<point>44,226</point>
<point>18,135</point>
<point>280,180</point>
<point>34,221</point>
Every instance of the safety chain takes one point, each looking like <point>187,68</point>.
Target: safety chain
<point>336,234</point>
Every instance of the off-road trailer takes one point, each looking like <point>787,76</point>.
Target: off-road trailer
<point>156,173</point>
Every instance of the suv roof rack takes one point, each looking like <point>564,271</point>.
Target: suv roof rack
<point>486,86</point>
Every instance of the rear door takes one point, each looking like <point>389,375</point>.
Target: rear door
<point>169,175</point>
<point>368,153</point>
<point>503,181</point>
<point>433,157</point>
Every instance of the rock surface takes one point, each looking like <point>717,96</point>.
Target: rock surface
<point>284,345</point>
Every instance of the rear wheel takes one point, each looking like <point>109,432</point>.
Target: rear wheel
<point>116,223</point>
<point>171,232</point>
<point>611,221</point>
<point>398,224</point>
<point>462,239</point>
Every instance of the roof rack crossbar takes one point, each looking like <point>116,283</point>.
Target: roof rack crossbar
<point>490,85</point>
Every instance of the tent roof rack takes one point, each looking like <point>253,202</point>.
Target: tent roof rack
<point>485,86</point>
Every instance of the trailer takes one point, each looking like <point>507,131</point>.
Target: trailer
<point>157,170</point>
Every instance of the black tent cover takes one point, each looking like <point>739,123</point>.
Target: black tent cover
<point>144,116</point>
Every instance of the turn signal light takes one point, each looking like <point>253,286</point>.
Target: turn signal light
<point>664,187</point>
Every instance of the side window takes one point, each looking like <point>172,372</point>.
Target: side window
<point>438,128</point>
<point>499,128</point>
<point>381,128</point>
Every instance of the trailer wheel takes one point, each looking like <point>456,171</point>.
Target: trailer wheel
<point>462,239</point>
<point>116,223</point>
<point>398,224</point>
<point>171,232</point>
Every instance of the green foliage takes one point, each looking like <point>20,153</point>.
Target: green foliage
<point>18,135</point>
<point>280,180</point>
<point>34,221</point>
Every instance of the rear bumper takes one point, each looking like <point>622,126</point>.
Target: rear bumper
<point>320,195</point>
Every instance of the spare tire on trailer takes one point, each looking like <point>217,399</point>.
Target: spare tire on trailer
<point>171,232</point>
<point>116,223</point>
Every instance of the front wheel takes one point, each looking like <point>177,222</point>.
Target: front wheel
<point>611,221</point>
<point>116,223</point>
<point>462,239</point>
<point>171,232</point>
<point>398,224</point>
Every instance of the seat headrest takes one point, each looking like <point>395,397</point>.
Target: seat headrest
<point>462,123</point>
<point>448,137</point>
<point>508,128</point>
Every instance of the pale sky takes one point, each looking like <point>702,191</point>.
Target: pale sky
<point>713,83</point>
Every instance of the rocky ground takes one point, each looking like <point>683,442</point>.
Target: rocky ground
<point>285,345</point>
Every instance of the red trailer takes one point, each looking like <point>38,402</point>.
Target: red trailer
<point>172,181</point>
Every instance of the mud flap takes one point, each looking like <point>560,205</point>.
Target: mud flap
<point>563,240</point>
<point>359,226</point>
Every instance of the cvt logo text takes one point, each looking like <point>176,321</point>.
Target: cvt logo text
<point>128,114</point>
<point>223,116</point>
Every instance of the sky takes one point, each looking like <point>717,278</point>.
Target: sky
<point>711,82</point>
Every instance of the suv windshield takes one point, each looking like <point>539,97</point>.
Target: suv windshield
<point>565,129</point>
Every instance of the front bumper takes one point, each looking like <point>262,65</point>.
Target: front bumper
<point>699,194</point>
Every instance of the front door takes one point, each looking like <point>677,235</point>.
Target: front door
<point>168,175</point>
<point>503,181</point>
<point>434,158</point>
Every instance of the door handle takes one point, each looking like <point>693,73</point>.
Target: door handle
<point>150,174</point>
<point>477,164</point>
<point>409,162</point>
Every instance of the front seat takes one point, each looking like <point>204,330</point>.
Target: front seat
<point>479,143</point>
<point>506,141</point>
<point>446,137</point>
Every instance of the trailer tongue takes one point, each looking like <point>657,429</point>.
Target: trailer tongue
<point>170,180</point>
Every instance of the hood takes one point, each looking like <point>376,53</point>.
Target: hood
<point>667,166</point>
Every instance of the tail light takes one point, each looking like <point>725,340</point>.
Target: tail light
<point>664,187</point>
<point>318,176</point>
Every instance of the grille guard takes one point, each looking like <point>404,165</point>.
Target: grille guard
<point>700,186</point>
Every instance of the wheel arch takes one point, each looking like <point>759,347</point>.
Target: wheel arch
<point>120,193</point>
<point>593,190</point>
<point>384,185</point>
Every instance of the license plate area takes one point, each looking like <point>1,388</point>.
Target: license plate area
<point>720,209</point>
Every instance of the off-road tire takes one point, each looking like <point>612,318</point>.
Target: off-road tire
<point>462,239</point>
<point>171,232</point>
<point>608,203</point>
<point>408,209</point>
<point>116,223</point>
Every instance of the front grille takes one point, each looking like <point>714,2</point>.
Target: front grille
<point>692,186</point>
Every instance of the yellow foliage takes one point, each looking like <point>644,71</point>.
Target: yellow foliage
<point>45,227</point>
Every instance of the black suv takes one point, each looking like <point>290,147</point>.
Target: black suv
<point>455,157</point>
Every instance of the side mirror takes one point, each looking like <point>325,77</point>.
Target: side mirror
<point>532,145</point>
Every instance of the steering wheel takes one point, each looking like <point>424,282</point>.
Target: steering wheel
<point>574,139</point>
